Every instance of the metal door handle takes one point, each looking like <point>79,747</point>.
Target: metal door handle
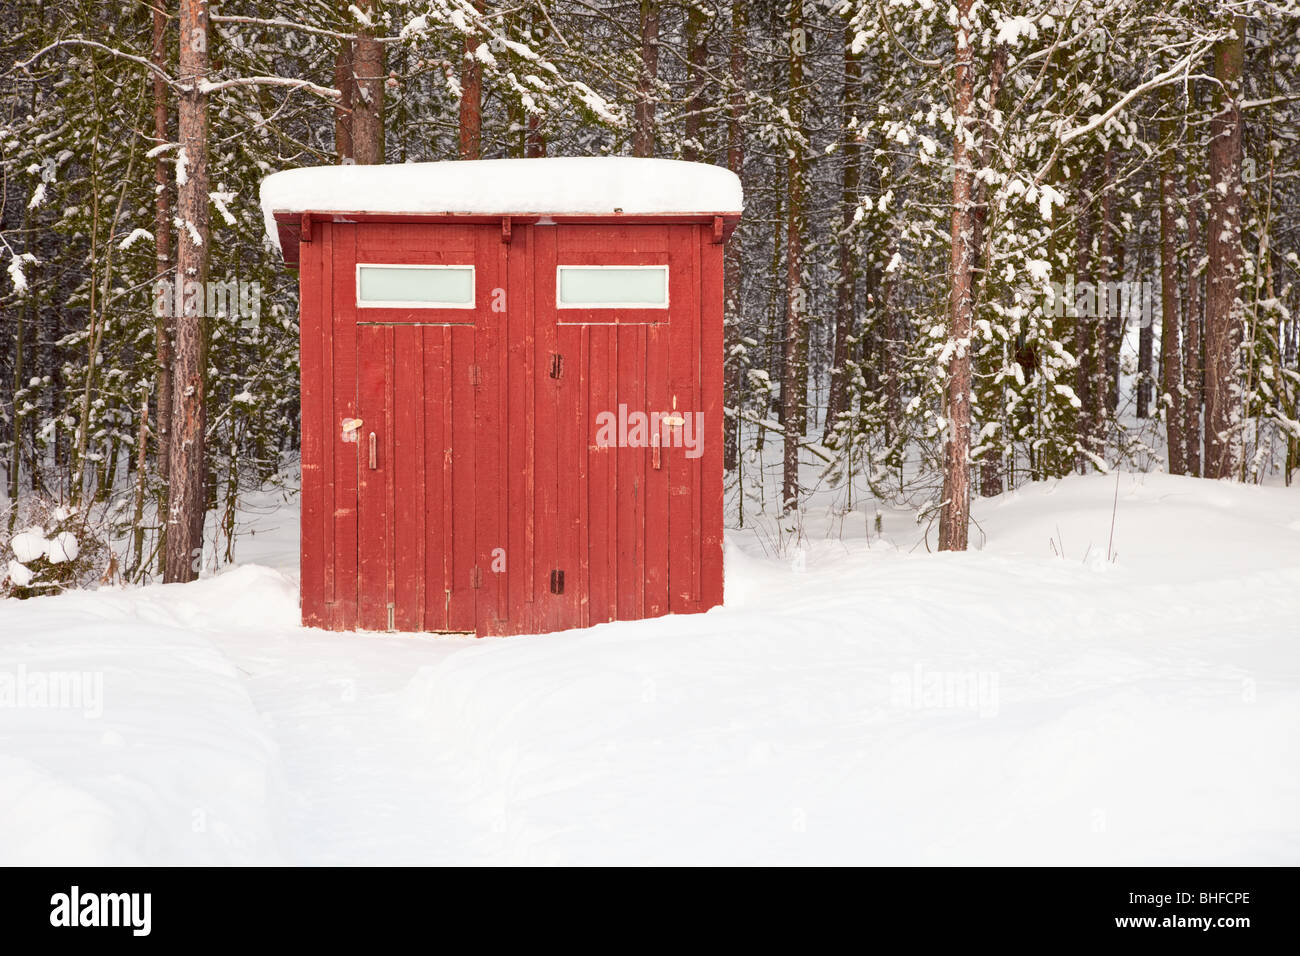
<point>374,454</point>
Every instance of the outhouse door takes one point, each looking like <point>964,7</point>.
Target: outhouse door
<point>427,402</point>
<point>617,326</point>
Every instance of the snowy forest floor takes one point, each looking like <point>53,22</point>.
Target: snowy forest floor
<point>856,701</point>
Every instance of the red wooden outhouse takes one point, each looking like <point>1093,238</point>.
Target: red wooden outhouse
<point>511,390</point>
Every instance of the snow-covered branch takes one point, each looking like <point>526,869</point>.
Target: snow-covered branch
<point>293,25</point>
<point>79,41</point>
<point>326,91</point>
<point>1173,74</point>
<point>206,87</point>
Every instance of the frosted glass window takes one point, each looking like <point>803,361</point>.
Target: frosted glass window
<point>415,287</point>
<point>612,287</point>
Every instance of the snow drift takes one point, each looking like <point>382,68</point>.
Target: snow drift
<point>1112,679</point>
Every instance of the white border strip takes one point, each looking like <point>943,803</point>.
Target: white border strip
<point>392,304</point>
<point>560,304</point>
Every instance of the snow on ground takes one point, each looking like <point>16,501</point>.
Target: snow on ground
<point>127,736</point>
<point>1064,695</point>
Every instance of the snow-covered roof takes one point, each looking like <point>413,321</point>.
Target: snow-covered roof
<point>566,186</point>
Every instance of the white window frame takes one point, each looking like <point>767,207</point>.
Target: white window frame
<point>391,304</point>
<point>560,304</point>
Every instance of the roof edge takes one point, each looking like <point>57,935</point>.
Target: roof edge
<point>290,223</point>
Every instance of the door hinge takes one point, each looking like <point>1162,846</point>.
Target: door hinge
<point>557,581</point>
<point>505,229</point>
<point>391,615</point>
<point>557,365</point>
<point>475,375</point>
<point>476,577</point>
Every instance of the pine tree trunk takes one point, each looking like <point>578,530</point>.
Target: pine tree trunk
<point>847,287</point>
<point>1111,324</point>
<point>471,98</point>
<point>794,380</point>
<point>535,144</point>
<point>16,449</point>
<point>141,484</point>
<point>1193,381</point>
<point>345,82</point>
<point>1085,344</point>
<point>1171,369</point>
<point>776,302</point>
<point>1111,314</point>
<point>697,60</point>
<point>188,467</point>
<point>162,230</point>
<point>643,132</point>
<point>954,514</point>
<point>368,104</point>
<point>891,372</point>
<point>732,260</point>
<point>993,355</point>
<point>1222,308</point>
<point>1146,358</point>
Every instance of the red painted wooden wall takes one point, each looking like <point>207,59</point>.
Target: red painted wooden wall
<point>487,503</point>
